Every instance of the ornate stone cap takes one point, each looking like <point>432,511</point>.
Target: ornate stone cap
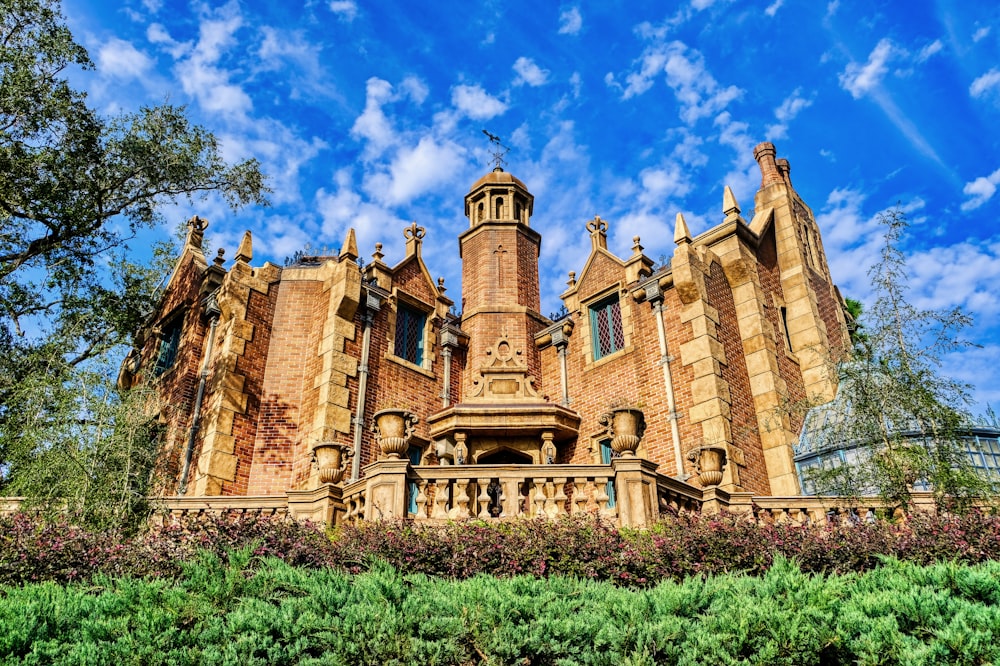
<point>497,176</point>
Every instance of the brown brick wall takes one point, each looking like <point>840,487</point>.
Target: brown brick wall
<point>788,367</point>
<point>251,364</point>
<point>178,384</point>
<point>745,435</point>
<point>293,347</point>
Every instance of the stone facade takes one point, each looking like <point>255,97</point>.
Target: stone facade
<point>713,348</point>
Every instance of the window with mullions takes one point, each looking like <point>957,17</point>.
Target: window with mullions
<point>169,342</point>
<point>606,327</point>
<point>410,324</point>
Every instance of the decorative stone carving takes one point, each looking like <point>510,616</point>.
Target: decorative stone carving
<point>710,462</point>
<point>332,459</point>
<point>393,430</point>
<point>504,376</point>
<point>625,426</point>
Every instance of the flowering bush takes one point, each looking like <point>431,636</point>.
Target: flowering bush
<point>581,546</point>
<point>32,549</point>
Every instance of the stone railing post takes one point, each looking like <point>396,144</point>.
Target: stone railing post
<point>635,490</point>
<point>385,489</point>
<point>324,505</point>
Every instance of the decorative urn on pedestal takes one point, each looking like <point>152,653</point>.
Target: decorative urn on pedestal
<point>710,462</point>
<point>626,426</point>
<point>393,429</point>
<point>331,458</point>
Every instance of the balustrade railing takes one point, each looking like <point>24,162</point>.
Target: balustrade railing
<point>506,491</point>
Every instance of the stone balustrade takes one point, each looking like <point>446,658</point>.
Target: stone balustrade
<point>628,492</point>
<point>508,491</point>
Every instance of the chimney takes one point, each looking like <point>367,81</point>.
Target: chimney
<point>785,169</point>
<point>764,154</point>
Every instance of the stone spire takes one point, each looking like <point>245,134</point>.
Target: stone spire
<point>244,253</point>
<point>730,208</point>
<point>681,233</point>
<point>350,248</point>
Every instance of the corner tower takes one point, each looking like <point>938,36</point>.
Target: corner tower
<point>500,273</point>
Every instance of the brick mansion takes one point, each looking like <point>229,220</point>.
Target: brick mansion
<point>358,388</point>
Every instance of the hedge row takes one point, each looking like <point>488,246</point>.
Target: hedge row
<point>268,612</point>
<point>582,546</point>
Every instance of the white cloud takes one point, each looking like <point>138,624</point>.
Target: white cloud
<point>372,124</point>
<point>415,89</point>
<point>695,89</point>
<point>344,208</point>
<point>980,190</point>
<point>786,112</point>
<point>119,59</point>
<point>859,79</point>
<point>570,21</point>
<point>346,10</point>
<point>529,73</point>
<point>199,74</point>
<point>985,83</point>
<point>981,33</point>
<point>476,103</point>
<point>773,8</point>
<point>416,170</point>
<point>929,50</point>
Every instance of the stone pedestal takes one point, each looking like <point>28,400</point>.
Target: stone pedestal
<point>385,489</point>
<point>635,490</point>
<point>322,505</point>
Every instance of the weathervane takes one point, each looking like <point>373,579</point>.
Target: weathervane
<point>499,150</point>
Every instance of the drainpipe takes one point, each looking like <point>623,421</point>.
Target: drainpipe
<point>654,294</point>
<point>213,312</point>
<point>373,301</point>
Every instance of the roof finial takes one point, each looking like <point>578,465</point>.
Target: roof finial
<point>499,151</point>
<point>244,253</point>
<point>350,248</point>
<point>681,233</point>
<point>729,205</point>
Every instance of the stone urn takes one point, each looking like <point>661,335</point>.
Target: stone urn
<point>711,461</point>
<point>331,459</point>
<point>626,426</point>
<point>393,429</point>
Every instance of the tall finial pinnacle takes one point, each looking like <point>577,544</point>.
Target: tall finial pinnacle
<point>498,151</point>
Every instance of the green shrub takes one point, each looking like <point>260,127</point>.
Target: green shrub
<point>251,610</point>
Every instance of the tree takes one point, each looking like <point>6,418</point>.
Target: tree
<point>898,415</point>
<point>74,189</point>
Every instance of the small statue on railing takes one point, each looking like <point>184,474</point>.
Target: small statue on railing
<point>332,459</point>
<point>393,428</point>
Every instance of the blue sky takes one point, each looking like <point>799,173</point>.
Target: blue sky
<point>369,114</point>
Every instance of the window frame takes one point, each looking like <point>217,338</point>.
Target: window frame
<point>617,343</point>
<point>171,332</point>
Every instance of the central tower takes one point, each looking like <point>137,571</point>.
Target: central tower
<point>500,275</point>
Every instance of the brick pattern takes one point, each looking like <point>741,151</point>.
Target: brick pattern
<point>294,338</point>
<point>251,365</point>
<point>744,427</point>
<point>292,353</point>
<point>178,384</point>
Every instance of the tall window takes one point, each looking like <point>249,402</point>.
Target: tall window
<point>410,324</point>
<point>606,456</point>
<point>606,327</point>
<point>171,340</point>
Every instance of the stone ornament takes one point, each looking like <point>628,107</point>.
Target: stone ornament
<point>709,463</point>
<point>625,426</point>
<point>393,430</point>
<point>332,460</point>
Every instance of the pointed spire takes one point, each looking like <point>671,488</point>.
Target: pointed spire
<point>729,205</point>
<point>681,233</point>
<point>244,253</point>
<point>350,248</point>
